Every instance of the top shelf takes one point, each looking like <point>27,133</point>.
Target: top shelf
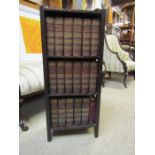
<point>71,58</point>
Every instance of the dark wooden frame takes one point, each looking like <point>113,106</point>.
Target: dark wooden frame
<point>70,13</point>
<point>123,63</point>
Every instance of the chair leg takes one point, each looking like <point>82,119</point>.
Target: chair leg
<point>109,74</point>
<point>125,78</point>
<point>22,123</point>
<point>134,75</point>
<point>103,78</point>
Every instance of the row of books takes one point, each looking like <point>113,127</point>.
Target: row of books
<point>72,111</point>
<point>72,36</point>
<point>72,77</point>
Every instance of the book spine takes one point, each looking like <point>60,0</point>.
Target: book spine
<point>95,37</point>
<point>85,77</point>
<point>68,36</point>
<point>68,77</point>
<point>59,32</point>
<point>52,77</point>
<point>77,36</point>
<point>85,111</point>
<point>50,35</point>
<point>77,111</point>
<point>86,37</point>
<point>60,77</point>
<point>61,112</point>
<point>76,77</point>
<point>92,110</point>
<point>93,77</point>
<point>54,113</point>
<point>69,111</point>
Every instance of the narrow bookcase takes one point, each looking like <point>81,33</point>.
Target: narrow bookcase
<point>72,43</point>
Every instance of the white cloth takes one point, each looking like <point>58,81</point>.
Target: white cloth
<point>31,77</point>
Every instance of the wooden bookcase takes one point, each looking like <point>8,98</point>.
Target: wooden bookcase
<point>72,43</point>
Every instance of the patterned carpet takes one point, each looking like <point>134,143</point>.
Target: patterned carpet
<point>116,135</point>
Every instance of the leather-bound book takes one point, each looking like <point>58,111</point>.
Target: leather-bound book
<point>59,34</point>
<point>77,111</point>
<point>68,36</point>
<point>50,35</point>
<point>85,110</point>
<point>54,112</point>
<point>93,77</point>
<point>61,112</point>
<point>95,37</point>
<point>60,77</point>
<point>85,77</point>
<point>77,77</point>
<point>77,36</point>
<point>69,111</point>
<point>92,109</point>
<point>53,77</point>
<point>68,77</point>
<point>86,50</point>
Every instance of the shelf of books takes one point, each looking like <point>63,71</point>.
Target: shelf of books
<point>72,44</point>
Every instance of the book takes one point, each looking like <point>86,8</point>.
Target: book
<point>61,112</point>
<point>93,77</point>
<point>59,34</point>
<point>69,111</point>
<point>54,112</point>
<point>68,77</point>
<point>52,69</point>
<point>68,36</point>
<point>86,48</point>
<point>77,37</point>
<point>77,111</point>
<point>77,67</point>
<point>85,110</point>
<point>85,77</point>
<point>92,110</point>
<point>60,77</point>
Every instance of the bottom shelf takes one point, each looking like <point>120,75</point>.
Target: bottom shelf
<point>70,112</point>
<point>74,127</point>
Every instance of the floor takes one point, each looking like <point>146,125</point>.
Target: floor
<point>116,133</point>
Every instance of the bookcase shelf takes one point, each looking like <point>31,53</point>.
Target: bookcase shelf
<point>74,127</point>
<point>72,58</point>
<point>73,95</point>
<point>72,43</point>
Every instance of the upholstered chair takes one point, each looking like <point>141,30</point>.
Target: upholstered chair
<point>115,59</point>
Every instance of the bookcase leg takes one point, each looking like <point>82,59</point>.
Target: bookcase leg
<point>96,131</point>
<point>49,135</point>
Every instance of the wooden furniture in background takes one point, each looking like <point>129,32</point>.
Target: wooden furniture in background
<point>128,28</point>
